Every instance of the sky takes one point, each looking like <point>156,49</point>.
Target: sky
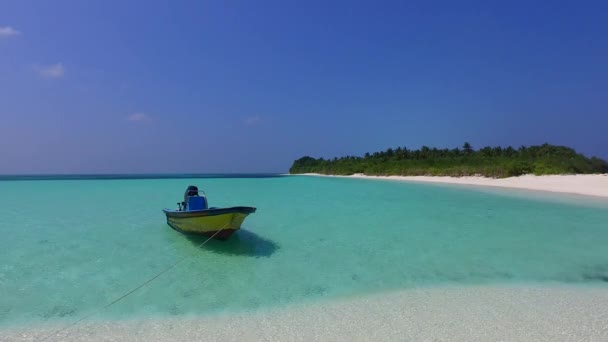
<point>249,86</point>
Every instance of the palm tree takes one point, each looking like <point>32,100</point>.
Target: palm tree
<point>467,148</point>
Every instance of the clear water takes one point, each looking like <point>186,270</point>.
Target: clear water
<point>69,247</point>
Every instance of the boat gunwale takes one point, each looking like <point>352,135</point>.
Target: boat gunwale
<point>209,212</point>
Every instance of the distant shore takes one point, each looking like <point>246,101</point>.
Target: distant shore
<point>484,313</point>
<point>589,185</point>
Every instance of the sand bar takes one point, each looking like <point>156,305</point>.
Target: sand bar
<point>488,313</point>
<point>590,185</point>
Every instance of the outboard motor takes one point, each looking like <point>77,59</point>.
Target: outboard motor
<point>192,200</point>
<point>190,191</point>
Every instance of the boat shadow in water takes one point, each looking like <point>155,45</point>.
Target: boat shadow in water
<point>243,242</point>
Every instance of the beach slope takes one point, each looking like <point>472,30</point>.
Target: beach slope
<point>487,313</point>
<point>589,185</point>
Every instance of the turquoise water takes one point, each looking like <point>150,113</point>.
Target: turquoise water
<point>69,247</point>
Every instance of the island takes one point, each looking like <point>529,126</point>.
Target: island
<point>493,162</point>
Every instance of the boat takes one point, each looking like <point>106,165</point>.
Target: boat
<point>193,216</point>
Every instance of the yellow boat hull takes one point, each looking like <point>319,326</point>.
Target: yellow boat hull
<point>217,223</point>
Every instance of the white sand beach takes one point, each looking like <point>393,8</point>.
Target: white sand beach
<point>590,185</point>
<point>509,313</point>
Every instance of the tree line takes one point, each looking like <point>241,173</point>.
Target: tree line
<point>466,161</point>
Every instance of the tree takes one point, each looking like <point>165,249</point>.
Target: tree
<point>467,148</point>
<point>487,161</point>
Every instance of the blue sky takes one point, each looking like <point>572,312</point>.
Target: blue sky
<point>248,86</point>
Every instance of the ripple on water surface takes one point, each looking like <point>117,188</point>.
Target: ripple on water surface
<point>71,246</point>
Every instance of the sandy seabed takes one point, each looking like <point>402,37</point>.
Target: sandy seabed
<point>483,313</point>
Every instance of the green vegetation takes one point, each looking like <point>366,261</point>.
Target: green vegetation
<point>488,161</point>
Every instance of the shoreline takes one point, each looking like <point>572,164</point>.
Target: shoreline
<point>595,185</point>
<point>475,313</point>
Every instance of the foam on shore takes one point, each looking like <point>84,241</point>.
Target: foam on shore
<point>435,314</point>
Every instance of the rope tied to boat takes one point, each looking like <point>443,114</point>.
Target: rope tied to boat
<point>125,295</point>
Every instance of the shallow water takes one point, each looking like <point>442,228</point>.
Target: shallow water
<point>69,247</point>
